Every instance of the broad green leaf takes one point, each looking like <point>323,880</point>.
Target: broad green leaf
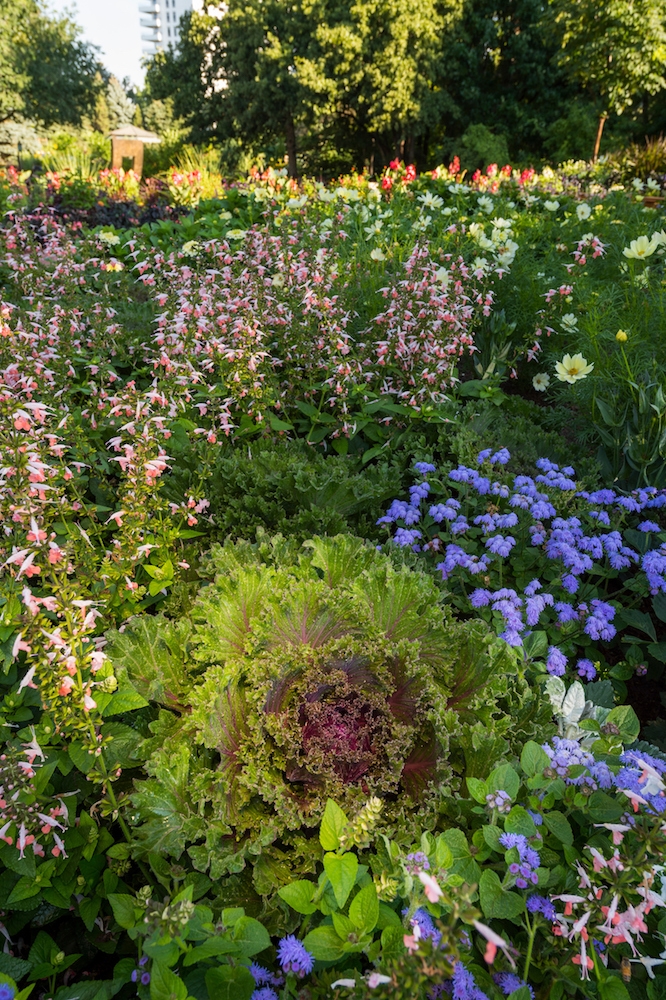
<point>210,948</point>
<point>477,789</point>
<point>520,821</point>
<point>332,824</point>
<point>344,928</point>
<point>298,895</point>
<point>626,721</point>
<point>152,652</point>
<point>533,759</point>
<point>341,871</point>
<point>496,901</point>
<point>638,620</point>
<point>603,809</point>
<point>536,645</point>
<point>230,983</point>
<point>364,909</point>
<point>559,826</point>
<point>324,944</point>
<point>250,936</point>
<point>124,907</point>
<point>504,778</point>
<point>24,889</point>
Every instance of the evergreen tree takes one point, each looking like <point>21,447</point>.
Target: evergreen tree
<point>121,109</point>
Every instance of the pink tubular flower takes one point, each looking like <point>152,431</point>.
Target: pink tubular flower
<point>431,887</point>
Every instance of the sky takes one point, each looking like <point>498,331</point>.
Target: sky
<point>114,26</point>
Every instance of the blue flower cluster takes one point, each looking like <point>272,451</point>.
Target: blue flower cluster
<point>635,778</point>
<point>293,956</point>
<point>530,518</point>
<point>509,983</point>
<point>525,869</point>
<point>427,929</point>
<point>565,754</point>
<point>542,905</point>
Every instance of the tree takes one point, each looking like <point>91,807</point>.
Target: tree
<point>46,73</point>
<point>121,108</point>
<point>616,48</point>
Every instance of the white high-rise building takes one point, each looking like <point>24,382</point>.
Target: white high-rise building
<point>161,19</point>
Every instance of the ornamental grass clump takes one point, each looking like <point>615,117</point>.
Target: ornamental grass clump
<point>326,671</point>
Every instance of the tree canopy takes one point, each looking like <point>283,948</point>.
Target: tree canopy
<point>47,74</point>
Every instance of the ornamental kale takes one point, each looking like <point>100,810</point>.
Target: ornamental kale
<point>327,671</point>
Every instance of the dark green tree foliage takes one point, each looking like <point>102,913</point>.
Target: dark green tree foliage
<point>190,75</point>
<point>616,49</point>
<point>47,73</point>
<point>500,68</point>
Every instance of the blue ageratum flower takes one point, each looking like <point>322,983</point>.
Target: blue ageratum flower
<point>293,956</point>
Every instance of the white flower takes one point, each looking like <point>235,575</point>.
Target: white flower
<point>191,248</point>
<point>346,983</point>
<point>480,264</point>
<point>506,252</point>
<point>571,369</point>
<point>541,381</point>
<point>448,211</point>
<point>442,276</point>
<point>583,211</point>
<point>637,184</point>
<point>641,248</point>
<point>653,186</point>
<point>551,206</point>
<point>570,322</point>
<point>377,254</point>
<point>110,239</point>
<point>502,224</point>
<point>486,204</point>
<point>326,195</point>
<point>377,979</point>
<point>430,200</point>
<point>236,234</point>
<point>277,281</point>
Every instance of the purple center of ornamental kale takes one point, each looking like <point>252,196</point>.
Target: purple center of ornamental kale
<point>346,732</point>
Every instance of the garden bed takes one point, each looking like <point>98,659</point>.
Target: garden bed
<point>333,592</point>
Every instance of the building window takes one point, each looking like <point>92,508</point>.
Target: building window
<point>169,32</point>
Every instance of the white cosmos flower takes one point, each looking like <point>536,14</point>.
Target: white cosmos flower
<point>583,211</point>
<point>641,248</point>
<point>551,206</point>
<point>377,254</point>
<point>541,381</point>
<point>571,369</point>
<point>570,322</point>
<point>486,204</point>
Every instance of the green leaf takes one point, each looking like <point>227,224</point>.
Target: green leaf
<point>638,620</point>
<point>626,721</point>
<point>15,968</point>
<point>124,907</point>
<point>364,909</point>
<point>536,645</point>
<point>324,944</point>
<point>533,760</point>
<point>299,895</point>
<point>387,917</point>
<point>344,928</point>
<point>477,789</point>
<point>491,835</point>
<point>250,936</point>
<point>496,901</point>
<point>658,651</point>
<point>24,889</point>
<point>125,699</point>
<point>332,824</point>
<point>504,778</point>
<point>603,809</point>
<point>520,821</point>
<point>659,606</point>
<point>230,983</point>
<point>210,948</point>
<point>559,826</point>
<point>152,652</point>
<point>443,853</point>
<point>341,870</point>
<point>612,988</point>
<point>522,993</point>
